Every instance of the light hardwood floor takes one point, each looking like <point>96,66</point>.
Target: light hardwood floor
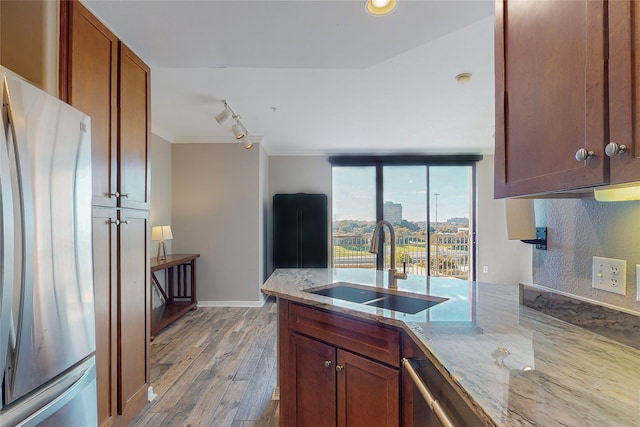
<point>215,367</point>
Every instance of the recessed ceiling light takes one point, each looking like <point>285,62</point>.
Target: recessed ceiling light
<point>463,78</point>
<point>380,7</point>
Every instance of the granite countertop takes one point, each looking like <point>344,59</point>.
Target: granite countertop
<point>517,366</point>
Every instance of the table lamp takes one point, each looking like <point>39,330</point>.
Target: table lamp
<point>161,233</point>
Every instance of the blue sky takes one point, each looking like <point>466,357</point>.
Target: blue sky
<point>354,191</point>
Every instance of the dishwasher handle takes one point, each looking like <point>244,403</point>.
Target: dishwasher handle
<point>426,394</point>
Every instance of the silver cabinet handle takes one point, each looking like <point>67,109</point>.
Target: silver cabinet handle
<point>327,363</point>
<point>116,194</point>
<point>582,155</point>
<point>114,221</point>
<point>124,221</point>
<point>426,394</point>
<point>339,368</point>
<point>613,148</point>
<point>125,195</point>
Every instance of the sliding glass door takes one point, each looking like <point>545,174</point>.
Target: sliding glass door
<point>450,221</point>
<point>431,208</point>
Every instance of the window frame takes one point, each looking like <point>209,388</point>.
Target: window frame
<point>379,162</point>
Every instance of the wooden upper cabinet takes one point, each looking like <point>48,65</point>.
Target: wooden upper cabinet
<point>550,95</point>
<point>102,77</point>
<point>134,130</point>
<point>89,59</point>
<point>624,89</point>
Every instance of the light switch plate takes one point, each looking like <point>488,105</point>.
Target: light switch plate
<point>609,275</point>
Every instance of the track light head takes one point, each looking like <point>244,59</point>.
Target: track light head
<point>247,142</point>
<point>239,131</point>
<point>224,115</point>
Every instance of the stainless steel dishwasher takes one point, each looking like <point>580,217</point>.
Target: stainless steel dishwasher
<point>435,403</point>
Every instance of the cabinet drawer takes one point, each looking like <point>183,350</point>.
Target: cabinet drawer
<point>372,340</point>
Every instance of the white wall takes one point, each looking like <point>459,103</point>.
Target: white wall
<point>296,174</point>
<point>217,212</point>
<point>221,208</point>
<point>507,261</point>
<point>161,192</point>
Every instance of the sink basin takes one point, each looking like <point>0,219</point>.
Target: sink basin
<point>386,299</point>
<point>347,292</point>
<point>409,305</point>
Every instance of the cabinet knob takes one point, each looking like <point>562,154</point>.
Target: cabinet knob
<point>125,195</point>
<point>339,368</point>
<point>327,363</point>
<point>582,155</point>
<point>124,221</point>
<point>114,221</point>
<point>613,148</point>
<point>116,194</point>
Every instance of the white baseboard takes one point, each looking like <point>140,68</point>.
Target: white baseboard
<point>259,303</point>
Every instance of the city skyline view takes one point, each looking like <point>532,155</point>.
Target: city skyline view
<point>354,192</point>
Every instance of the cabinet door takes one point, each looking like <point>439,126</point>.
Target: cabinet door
<point>133,311</point>
<point>286,225</point>
<point>88,82</point>
<point>550,95</point>
<point>368,392</point>
<point>134,130</point>
<point>624,89</point>
<point>312,385</point>
<point>105,291</point>
<point>313,231</point>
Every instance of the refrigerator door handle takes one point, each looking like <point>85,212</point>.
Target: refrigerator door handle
<point>6,242</point>
<point>17,132</point>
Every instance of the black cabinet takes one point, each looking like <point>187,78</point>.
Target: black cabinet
<point>300,230</point>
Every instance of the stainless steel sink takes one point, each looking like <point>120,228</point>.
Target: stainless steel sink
<point>409,305</point>
<point>386,299</point>
<point>347,292</point>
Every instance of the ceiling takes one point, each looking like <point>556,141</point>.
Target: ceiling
<point>316,77</point>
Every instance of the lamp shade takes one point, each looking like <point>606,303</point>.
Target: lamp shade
<point>161,233</point>
<point>521,221</point>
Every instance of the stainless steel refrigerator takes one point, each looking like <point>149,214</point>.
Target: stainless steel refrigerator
<point>47,329</point>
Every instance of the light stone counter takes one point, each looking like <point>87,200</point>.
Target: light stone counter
<point>552,373</point>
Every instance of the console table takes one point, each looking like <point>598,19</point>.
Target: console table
<point>180,295</point>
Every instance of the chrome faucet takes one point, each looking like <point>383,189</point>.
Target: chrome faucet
<point>393,274</point>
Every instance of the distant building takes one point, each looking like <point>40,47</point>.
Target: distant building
<point>392,212</point>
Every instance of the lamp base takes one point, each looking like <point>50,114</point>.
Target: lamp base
<point>162,253</point>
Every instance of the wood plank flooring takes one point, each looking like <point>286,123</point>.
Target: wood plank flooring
<point>215,367</point>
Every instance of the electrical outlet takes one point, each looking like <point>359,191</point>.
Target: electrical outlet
<point>637,282</point>
<point>609,275</point>
<point>485,269</point>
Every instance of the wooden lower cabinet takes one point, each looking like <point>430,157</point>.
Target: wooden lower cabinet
<point>368,392</point>
<point>134,307</point>
<point>105,260</point>
<point>322,383</point>
<point>312,388</point>
<point>121,277</point>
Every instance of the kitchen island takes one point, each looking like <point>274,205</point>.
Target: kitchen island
<point>512,365</point>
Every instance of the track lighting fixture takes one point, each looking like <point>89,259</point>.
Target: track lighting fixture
<point>224,115</point>
<point>247,142</point>
<point>238,129</point>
